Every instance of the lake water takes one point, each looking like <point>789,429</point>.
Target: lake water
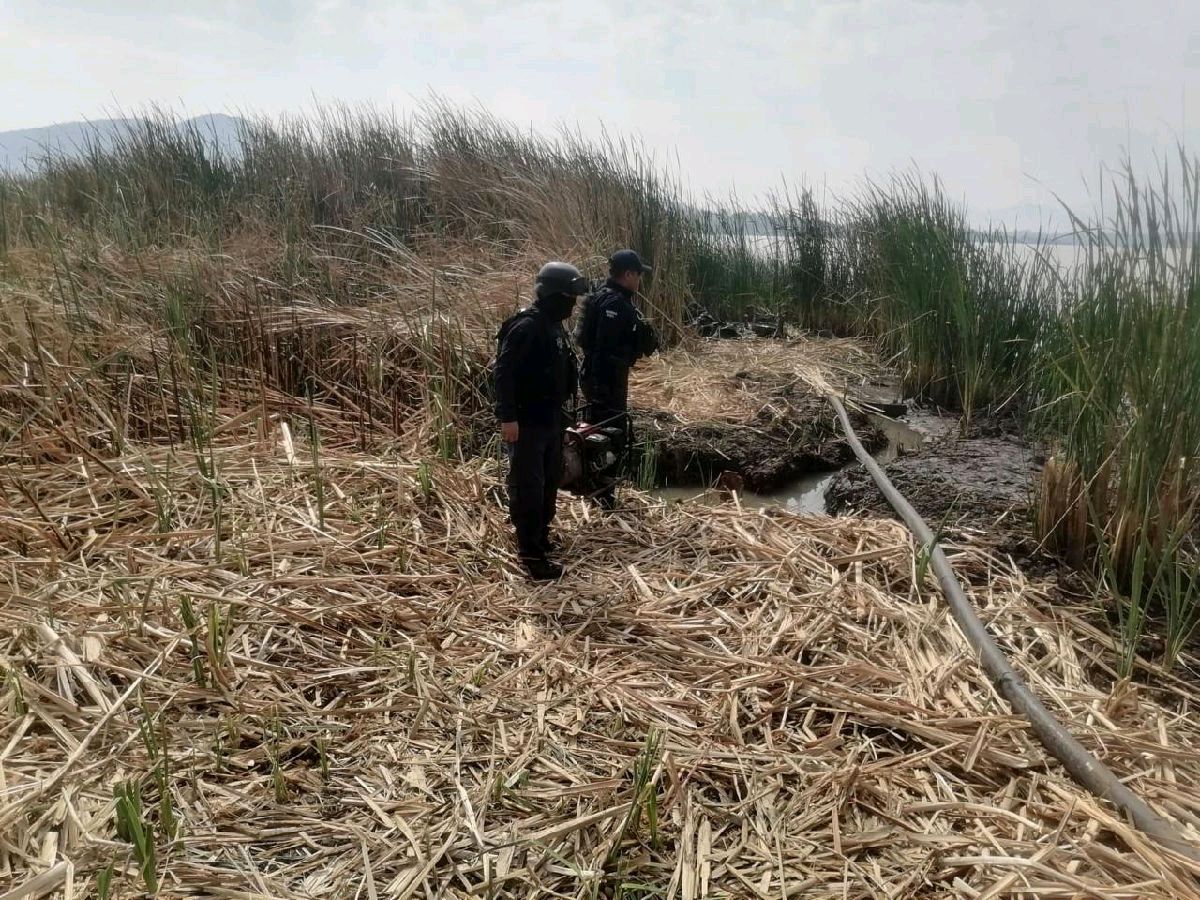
<point>1064,256</point>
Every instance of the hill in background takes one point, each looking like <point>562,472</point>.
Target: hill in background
<point>22,149</point>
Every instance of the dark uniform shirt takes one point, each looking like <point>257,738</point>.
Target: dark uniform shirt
<point>535,369</point>
<point>618,337</point>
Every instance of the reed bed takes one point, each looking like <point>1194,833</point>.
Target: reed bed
<point>344,687</point>
<point>1120,391</point>
<point>262,633</point>
<point>965,312</point>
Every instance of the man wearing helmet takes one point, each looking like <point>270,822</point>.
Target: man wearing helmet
<point>535,375</point>
<point>613,336</point>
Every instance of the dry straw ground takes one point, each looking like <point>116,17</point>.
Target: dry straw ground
<point>722,381</point>
<point>345,689</point>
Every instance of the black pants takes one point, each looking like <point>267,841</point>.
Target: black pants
<point>608,405</point>
<point>534,471</point>
<point>607,400</point>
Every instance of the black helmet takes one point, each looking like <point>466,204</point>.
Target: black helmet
<point>556,278</point>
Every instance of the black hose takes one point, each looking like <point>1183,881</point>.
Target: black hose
<point>1060,743</point>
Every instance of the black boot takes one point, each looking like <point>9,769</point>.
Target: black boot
<point>542,569</point>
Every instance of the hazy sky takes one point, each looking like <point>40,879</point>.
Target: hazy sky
<point>993,96</point>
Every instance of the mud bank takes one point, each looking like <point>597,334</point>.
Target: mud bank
<point>794,433</point>
<point>982,483</point>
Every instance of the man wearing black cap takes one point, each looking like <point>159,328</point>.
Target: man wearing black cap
<point>613,336</point>
<point>535,375</point>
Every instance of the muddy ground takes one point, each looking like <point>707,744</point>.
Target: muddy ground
<point>979,483</point>
<point>794,432</point>
<point>972,482</point>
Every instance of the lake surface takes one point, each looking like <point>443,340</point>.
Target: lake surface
<point>1064,256</point>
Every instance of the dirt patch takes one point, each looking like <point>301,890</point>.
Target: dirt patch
<point>794,432</point>
<point>982,483</point>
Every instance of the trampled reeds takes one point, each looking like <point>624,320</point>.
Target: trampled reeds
<point>714,703</point>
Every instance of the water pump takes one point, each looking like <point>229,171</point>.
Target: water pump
<point>592,457</point>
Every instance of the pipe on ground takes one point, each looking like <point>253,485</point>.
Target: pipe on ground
<point>1088,771</point>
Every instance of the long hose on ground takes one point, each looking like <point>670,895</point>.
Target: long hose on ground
<point>1060,743</point>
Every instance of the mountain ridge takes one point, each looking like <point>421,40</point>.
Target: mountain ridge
<point>21,150</point>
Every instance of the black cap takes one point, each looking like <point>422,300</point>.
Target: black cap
<point>626,261</point>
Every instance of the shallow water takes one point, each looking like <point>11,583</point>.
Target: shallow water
<point>900,435</point>
<point>807,493</point>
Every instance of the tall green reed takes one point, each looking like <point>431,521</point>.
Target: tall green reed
<point>1121,396</point>
<point>965,311</point>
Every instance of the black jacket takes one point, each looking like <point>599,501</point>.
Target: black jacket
<point>619,336</point>
<point>535,370</point>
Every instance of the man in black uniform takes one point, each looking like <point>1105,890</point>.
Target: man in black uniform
<point>613,336</point>
<point>535,375</point>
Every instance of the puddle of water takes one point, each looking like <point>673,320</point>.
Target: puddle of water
<point>807,493</point>
<point>900,435</point>
<point>804,495</point>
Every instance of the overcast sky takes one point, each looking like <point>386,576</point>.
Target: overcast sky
<point>1006,100</point>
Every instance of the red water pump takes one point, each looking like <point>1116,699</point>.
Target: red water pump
<point>592,457</point>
